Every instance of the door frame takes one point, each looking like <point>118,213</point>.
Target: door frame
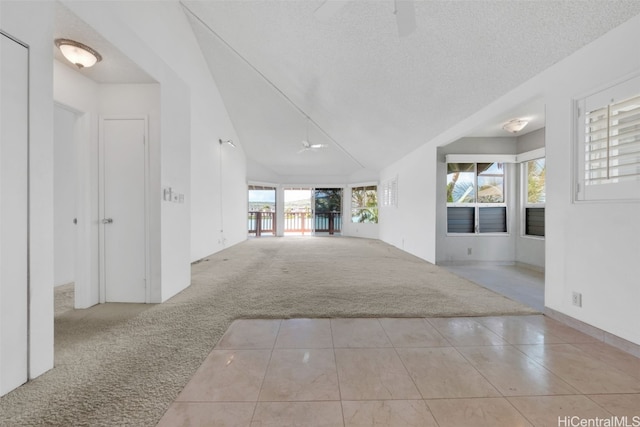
<point>284,188</point>
<point>314,190</point>
<point>4,389</point>
<point>312,199</point>
<point>101,204</point>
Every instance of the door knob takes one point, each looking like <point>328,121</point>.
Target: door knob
<point>107,220</point>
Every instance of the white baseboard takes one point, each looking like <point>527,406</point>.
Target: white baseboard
<point>604,336</point>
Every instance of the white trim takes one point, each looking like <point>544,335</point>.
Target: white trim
<point>364,184</point>
<point>262,184</point>
<point>478,234</point>
<point>480,158</point>
<point>310,186</point>
<point>530,155</point>
<point>532,237</point>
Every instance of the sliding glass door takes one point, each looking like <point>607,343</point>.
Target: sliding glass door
<point>328,210</point>
<point>312,211</point>
<point>262,210</point>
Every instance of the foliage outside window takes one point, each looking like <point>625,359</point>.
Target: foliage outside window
<point>328,200</point>
<point>364,204</point>
<point>536,174</point>
<point>535,197</point>
<point>476,198</point>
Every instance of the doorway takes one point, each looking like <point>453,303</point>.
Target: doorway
<point>65,207</point>
<point>262,210</point>
<point>328,211</point>
<point>312,211</point>
<point>298,211</point>
<point>123,210</point>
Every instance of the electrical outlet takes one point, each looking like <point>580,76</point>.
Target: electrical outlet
<point>576,299</point>
<point>468,251</point>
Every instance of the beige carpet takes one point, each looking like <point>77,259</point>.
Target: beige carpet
<point>123,364</point>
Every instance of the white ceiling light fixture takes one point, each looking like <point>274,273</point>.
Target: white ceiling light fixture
<point>81,55</point>
<point>515,125</point>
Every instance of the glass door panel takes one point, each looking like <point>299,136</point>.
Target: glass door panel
<point>262,210</point>
<point>298,212</point>
<point>328,210</point>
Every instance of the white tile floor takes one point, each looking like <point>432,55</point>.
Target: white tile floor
<point>518,283</point>
<point>486,371</point>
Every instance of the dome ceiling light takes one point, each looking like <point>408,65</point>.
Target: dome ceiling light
<point>515,125</point>
<point>81,55</point>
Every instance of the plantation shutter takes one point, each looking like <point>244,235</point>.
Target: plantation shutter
<point>612,142</point>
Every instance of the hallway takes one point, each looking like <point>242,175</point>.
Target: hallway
<point>518,283</point>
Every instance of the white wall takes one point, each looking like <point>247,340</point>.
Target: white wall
<point>411,225</point>
<point>529,249</point>
<point>190,117</point>
<point>64,195</point>
<point>214,199</point>
<point>591,248</point>
<point>14,192</point>
<point>144,100</point>
<point>91,101</point>
<point>530,141</point>
<point>495,248</point>
<point>31,22</point>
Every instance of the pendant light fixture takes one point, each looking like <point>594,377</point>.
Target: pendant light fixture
<point>81,55</point>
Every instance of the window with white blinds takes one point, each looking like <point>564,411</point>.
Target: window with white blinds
<point>609,144</point>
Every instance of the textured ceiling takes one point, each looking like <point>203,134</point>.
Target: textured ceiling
<point>372,96</point>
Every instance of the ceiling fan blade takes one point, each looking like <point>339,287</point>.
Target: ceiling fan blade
<point>405,17</point>
<point>328,9</point>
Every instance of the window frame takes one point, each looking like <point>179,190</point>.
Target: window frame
<point>523,161</point>
<point>475,160</point>
<point>626,191</point>
<point>365,188</point>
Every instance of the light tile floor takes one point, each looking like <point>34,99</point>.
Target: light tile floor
<point>488,371</point>
<point>516,282</point>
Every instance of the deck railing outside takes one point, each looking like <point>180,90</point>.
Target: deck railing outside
<point>262,222</point>
<point>329,222</point>
<point>295,222</point>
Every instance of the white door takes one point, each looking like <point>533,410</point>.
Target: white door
<point>14,110</point>
<point>123,219</point>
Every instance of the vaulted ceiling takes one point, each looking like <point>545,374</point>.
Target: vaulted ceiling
<point>371,95</point>
<point>349,81</point>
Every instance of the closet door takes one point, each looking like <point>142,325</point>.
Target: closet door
<point>14,111</point>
